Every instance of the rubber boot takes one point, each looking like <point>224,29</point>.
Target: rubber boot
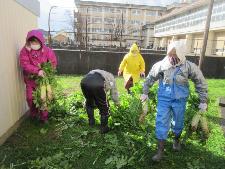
<point>91,118</point>
<point>176,143</point>
<point>104,125</point>
<point>158,156</point>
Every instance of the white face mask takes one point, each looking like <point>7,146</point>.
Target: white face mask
<point>35,47</point>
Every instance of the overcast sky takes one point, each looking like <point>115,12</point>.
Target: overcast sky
<point>60,15</point>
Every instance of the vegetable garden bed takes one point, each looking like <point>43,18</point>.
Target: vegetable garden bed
<point>68,142</point>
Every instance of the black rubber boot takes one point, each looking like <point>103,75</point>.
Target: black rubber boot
<point>176,143</point>
<point>158,156</point>
<point>91,118</point>
<point>104,125</point>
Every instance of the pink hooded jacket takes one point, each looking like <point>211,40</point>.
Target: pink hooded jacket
<point>31,59</point>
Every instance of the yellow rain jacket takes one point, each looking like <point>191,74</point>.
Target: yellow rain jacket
<point>132,65</point>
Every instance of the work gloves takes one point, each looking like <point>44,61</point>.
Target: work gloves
<point>144,97</point>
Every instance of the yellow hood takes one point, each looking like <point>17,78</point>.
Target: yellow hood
<point>180,47</point>
<point>134,47</point>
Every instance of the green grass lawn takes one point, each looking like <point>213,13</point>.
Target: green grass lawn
<point>68,143</point>
<point>72,83</point>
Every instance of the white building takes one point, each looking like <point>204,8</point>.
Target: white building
<point>112,24</point>
<point>189,23</point>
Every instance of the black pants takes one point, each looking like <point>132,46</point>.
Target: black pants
<point>92,86</point>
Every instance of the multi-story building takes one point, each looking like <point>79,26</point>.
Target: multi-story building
<point>175,5</point>
<point>188,23</point>
<point>114,24</point>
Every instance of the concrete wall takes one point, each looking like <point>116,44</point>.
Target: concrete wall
<point>74,62</point>
<point>16,21</point>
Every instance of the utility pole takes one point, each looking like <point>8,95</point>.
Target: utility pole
<point>74,26</point>
<point>86,39</point>
<point>207,26</point>
<point>121,33</point>
<point>49,29</point>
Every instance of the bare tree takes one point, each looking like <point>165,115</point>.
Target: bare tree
<point>117,30</point>
<point>80,36</point>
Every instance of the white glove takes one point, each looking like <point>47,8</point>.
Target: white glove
<point>144,97</point>
<point>143,74</point>
<point>119,73</point>
<point>202,107</point>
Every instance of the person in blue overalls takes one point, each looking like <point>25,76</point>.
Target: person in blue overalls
<point>173,73</point>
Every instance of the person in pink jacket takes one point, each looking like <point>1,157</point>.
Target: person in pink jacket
<point>32,55</point>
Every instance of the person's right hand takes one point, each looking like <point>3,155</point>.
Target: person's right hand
<point>41,73</point>
<point>144,97</point>
<point>119,72</point>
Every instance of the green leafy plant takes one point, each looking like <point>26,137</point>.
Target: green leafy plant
<point>44,94</point>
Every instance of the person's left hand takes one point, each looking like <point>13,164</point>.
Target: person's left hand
<point>41,73</point>
<point>143,97</point>
<point>142,74</point>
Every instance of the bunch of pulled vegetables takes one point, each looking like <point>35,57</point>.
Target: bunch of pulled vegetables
<point>44,94</point>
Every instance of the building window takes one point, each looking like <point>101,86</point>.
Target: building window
<point>93,9</point>
<point>135,22</point>
<point>89,20</point>
<point>82,10</point>
<point>151,13</point>
<point>111,9</point>
<point>106,9</point>
<point>97,20</point>
<point>97,30</point>
<point>118,21</point>
<point>99,9</point>
<point>136,12</point>
<point>118,10</point>
<point>106,30</point>
<point>109,20</point>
